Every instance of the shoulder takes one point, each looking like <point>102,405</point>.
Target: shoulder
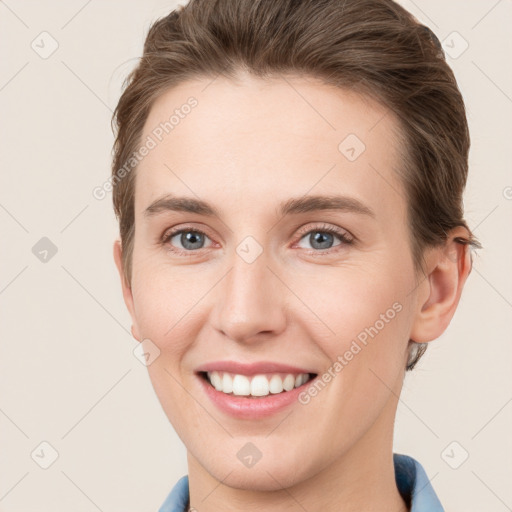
<point>177,500</point>
<point>414,485</point>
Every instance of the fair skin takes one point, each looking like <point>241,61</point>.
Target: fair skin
<point>244,149</point>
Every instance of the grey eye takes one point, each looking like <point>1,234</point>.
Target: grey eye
<point>190,240</point>
<point>320,239</point>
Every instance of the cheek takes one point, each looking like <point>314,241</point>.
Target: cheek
<point>170,312</point>
<point>365,319</point>
<point>167,313</point>
<point>348,303</point>
<point>166,303</point>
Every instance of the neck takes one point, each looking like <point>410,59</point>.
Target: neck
<point>361,479</point>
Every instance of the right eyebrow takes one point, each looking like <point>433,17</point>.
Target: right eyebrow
<point>180,204</point>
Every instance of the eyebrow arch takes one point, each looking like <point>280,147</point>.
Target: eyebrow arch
<point>292,206</point>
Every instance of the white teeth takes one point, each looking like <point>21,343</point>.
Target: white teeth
<point>241,385</point>
<point>289,383</point>
<point>276,384</point>
<point>216,381</point>
<point>258,385</point>
<point>227,383</point>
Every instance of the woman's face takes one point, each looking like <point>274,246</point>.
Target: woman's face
<point>273,274</point>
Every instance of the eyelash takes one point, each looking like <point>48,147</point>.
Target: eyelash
<point>343,236</point>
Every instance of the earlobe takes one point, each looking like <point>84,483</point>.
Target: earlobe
<point>126,288</point>
<point>135,333</point>
<point>439,294</point>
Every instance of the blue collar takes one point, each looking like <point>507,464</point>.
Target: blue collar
<point>411,480</point>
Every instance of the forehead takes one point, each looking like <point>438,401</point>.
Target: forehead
<point>267,140</point>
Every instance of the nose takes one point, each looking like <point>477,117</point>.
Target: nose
<point>251,302</point>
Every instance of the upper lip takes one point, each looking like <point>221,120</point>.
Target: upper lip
<point>250,368</point>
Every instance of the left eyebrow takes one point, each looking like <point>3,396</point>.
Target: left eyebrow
<point>293,206</point>
<point>316,203</point>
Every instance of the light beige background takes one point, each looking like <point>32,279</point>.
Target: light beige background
<point>67,372</point>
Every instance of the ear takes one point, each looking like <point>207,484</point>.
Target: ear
<point>127,290</point>
<point>447,268</point>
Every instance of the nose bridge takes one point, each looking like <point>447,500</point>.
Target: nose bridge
<point>249,302</point>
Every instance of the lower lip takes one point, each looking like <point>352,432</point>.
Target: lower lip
<point>252,408</point>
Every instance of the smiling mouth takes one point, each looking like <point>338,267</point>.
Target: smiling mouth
<point>255,386</point>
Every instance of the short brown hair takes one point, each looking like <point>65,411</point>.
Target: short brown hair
<point>373,47</point>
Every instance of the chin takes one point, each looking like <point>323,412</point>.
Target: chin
<point>270,473</point>
<point>263,479</point>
